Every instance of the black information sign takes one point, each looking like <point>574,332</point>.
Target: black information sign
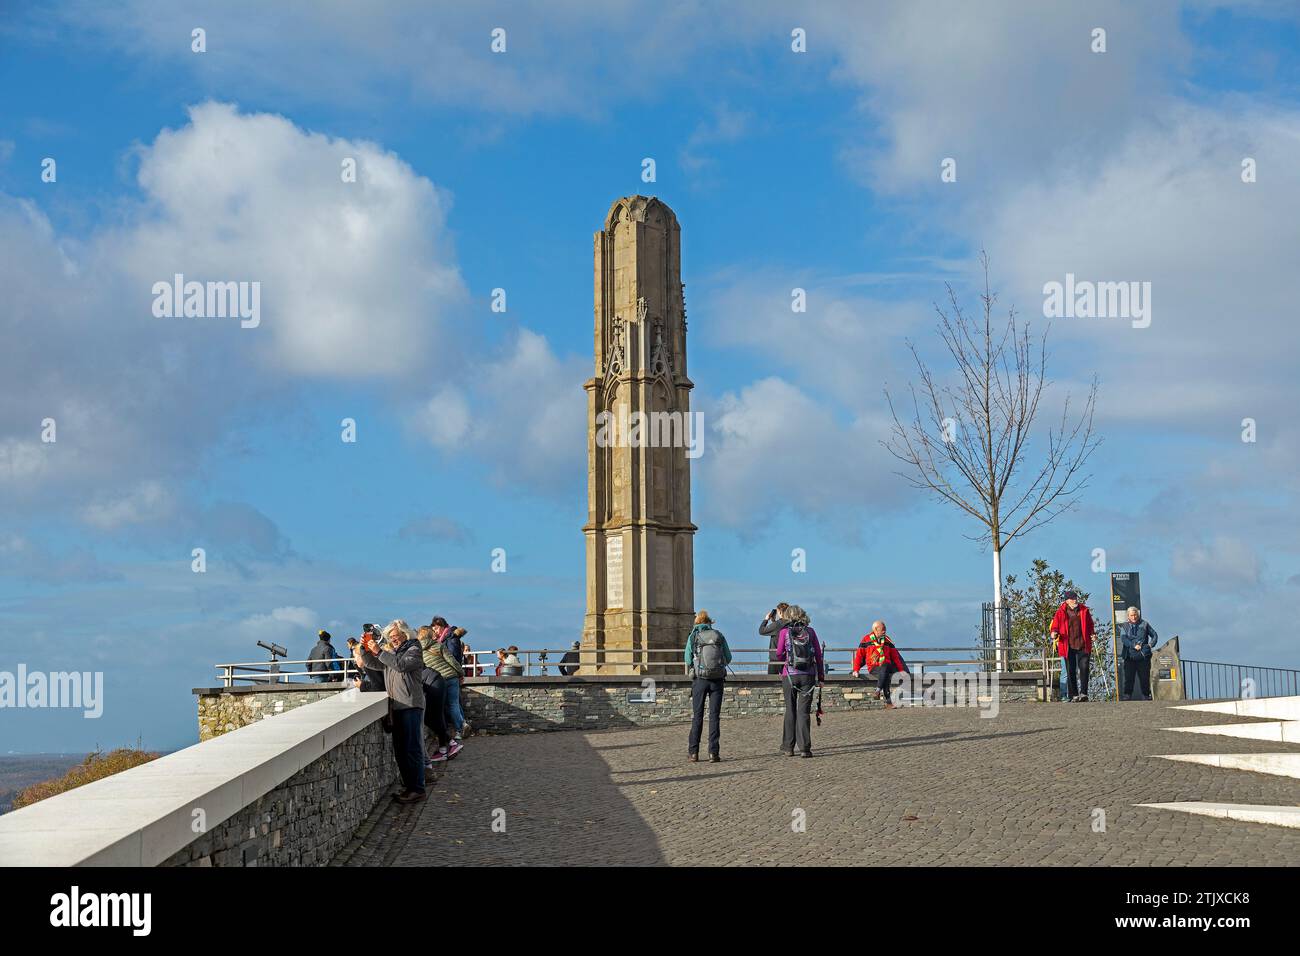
<point>1124,593</point>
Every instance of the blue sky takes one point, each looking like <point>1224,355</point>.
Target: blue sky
<point>817,170</point>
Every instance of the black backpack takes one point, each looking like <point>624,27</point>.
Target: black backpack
<point>799,652</point>
<point>709,660</point>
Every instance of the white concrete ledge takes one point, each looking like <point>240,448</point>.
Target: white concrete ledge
<point>1282,731</point>
<point>1249,813</point>
<point>1280,765</point>
<point>142,816</point>
<point>1275,708</point>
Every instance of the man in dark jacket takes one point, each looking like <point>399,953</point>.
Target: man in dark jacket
<point>403,662</point>
<point>770,627</point>
<point>569,662</point>
<point>323,661</point>
<point>1138,638</point>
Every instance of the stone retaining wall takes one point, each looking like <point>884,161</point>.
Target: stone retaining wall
<point>307,819</point>
<point>223,709</point>
<point>507,705</point>
<point>503,705</point>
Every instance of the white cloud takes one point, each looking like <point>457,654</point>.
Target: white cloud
<point>24,559</point>
<point>445,418</point>
<point>1225,564</point>
<point>150,501</point>
<point>436,528</point>
<point>20,461</point>
<point>358,281</point>
<point>1003,87</point>
<point>846,344</point>
<point>771,447</point>
<point>280,625</point>
<point>726,125</point>
<point>565,56</point>
<point>356,277</point>
<point>523,412</point>
<point>1168,207</point>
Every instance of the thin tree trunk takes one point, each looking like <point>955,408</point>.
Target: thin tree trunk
<point>999,639</point>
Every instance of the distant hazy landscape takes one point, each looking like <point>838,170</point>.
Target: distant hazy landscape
<point>18,771</point>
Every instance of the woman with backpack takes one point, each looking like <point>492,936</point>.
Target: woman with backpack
<point>804,670</point>
<point>707,657</point>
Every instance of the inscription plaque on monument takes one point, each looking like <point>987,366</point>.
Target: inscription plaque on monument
<point>614,571</point>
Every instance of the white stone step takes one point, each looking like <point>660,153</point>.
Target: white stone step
<point>1283,731</point>
<point>1281,765</point>
<point>1276,708</point>
<point>1250,813</point>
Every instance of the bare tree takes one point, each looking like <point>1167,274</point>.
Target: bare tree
<point>969,440</point>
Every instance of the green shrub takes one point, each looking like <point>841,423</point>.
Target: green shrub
<point>96,766</point>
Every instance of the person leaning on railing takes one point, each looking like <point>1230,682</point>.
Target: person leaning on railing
<point>323,661</point>
<point>510,665</point>
<point>877,653</point>
<point>438,670</point>
<point>570,661</point>
<point>450,639</point>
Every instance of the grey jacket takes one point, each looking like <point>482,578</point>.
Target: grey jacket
<point>402,670</point>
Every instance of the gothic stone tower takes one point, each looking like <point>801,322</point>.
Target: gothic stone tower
<point>640,565</point>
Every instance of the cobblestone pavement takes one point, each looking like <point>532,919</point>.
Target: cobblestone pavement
<point>904,787</point>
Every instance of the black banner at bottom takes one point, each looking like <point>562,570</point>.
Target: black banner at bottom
<point>132,906</point>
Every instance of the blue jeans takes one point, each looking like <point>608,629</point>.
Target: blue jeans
<point>1077,662</point>
<point>455,716</point>
<point>435,706</point>
<point>408,746</point>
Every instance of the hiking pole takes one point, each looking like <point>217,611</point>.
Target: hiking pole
<point>819,706</point>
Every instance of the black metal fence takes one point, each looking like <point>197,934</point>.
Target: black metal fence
<point>988,632</point>
<point>1208,680</point>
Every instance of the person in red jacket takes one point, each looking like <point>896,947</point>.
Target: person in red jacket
<point>1072,629</point>
<point>877,652</point>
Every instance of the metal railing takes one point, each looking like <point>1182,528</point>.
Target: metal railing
<point>544,662</point>
<point>267,672</point>
<point>745,660</point>
<point>1208,680</point>
<point>1202,680</point>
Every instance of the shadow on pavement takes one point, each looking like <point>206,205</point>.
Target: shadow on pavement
<point>506,802</point>
<point>928,740</point>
